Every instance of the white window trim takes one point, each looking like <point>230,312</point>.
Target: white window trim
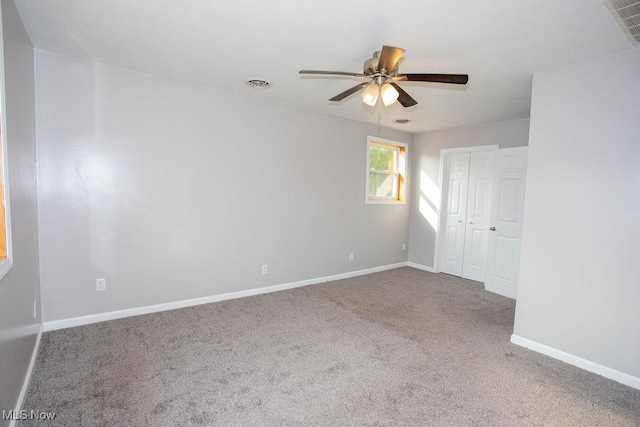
<point>374,139</point>
<point>7,263</point>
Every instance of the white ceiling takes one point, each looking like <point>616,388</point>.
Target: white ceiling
<point>221,43</point>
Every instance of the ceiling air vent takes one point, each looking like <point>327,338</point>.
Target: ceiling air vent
<point>258,83</point>
<point>627,13</point>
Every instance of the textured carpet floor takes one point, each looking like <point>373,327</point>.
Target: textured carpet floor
<point>401,347</point>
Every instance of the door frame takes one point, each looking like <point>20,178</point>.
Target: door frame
<point>443,195</point>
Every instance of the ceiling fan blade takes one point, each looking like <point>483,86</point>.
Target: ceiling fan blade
<point>404,98</point>
<point>389,57</point>
<point>348,92</point>
<point>459,79</point>
<point>332,73</point>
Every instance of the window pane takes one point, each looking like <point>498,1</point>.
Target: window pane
<point>383,185</point>
<point>382,158</point>
<point>3,230</point>
<point>386,161</point>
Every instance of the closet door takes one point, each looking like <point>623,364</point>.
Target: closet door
<point>503,259</point>
<point>478,210</point>
<point>456,209</point>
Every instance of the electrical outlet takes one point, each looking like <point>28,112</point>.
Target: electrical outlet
<point>35,309</point>
<point>264,268</point>
<point>350,256</point>
<point>404,246</point>
<point>101,285</point>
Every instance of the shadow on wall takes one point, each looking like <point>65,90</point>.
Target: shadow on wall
<point>429,200</point>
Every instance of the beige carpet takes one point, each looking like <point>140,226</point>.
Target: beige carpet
<point>398,348</point>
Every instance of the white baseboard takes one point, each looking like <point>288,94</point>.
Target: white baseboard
<point>421,267</point>
<point>571,359</point>
<point>101,317</point>
<point>27,379</point>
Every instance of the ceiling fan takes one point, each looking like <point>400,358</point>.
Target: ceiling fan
<point>382,74</point>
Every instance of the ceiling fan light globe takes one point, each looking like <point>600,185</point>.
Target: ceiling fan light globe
<point>370,94</point>
<point>389,94</point>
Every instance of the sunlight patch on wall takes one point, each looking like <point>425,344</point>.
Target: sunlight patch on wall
<point>100,186</point>
<point>430,190</point>
<point>429,205</point>
<point>428,213</point>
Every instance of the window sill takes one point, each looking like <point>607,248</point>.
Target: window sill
<point>5,265</point>
<point>385,202</point>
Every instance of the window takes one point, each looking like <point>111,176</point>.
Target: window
<point>386,171</point>
<point>5,221</point>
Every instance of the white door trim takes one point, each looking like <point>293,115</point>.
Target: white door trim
<point>443,195</point>
<point>468,149</point>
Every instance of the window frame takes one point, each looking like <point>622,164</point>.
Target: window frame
<point>7,263</point>
<point>402,166</point>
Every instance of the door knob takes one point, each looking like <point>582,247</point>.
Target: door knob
<point>460,221</point>
<point>492,229</point>
<point>471,222</point>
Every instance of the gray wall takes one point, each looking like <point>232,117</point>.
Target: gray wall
<point>173,191</point>
<point>20,287</point>
<point>425,193</point>
<point>579,274</point>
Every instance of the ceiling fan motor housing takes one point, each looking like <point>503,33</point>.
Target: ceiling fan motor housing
<point>370,68</point>
<point>371,65</point>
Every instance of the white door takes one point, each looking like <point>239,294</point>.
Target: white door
<point>478,215</point>
<point>503,258</point>
<point>457,187</point>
